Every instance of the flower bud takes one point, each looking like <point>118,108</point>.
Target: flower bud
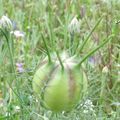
<point>5,22</point>
<point>74,26</point>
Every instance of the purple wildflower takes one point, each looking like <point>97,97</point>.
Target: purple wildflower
<point>20,68</point>
<point>92,61</point>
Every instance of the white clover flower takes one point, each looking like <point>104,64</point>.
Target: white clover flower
<point>5,22</point>
<point>18,34</point>
<point>88,106</point>
<point>74,26</point>
<point>88,103</point>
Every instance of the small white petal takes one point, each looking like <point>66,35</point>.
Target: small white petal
<point>18,34</point>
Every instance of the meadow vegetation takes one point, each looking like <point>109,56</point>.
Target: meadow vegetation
<point>94,39</point>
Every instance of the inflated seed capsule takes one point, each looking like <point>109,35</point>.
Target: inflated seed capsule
<point>58,89</point>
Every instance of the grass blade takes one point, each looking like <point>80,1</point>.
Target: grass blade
<point>87,38</point>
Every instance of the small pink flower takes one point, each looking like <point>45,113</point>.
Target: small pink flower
<point>18,34</point>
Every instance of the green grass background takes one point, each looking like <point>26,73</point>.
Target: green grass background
<point>51,18</point>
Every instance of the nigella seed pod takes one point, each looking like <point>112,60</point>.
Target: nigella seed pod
<point>58,89</point>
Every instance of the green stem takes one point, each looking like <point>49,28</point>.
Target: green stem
<point>48,53</point>
<point>85,41</point>
<point>94,50</point>
<point>71,42</point>
<point>10,52</point>
<point>60,60</point>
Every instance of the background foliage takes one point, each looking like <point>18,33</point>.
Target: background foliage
<point>51,18</point>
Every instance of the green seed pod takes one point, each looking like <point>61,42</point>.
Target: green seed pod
<point>60,90</point>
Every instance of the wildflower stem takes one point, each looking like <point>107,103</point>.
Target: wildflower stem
<point>48,53</point>
<point>60,60</point>
<point>71,41</point>
<point>10,52</point>
<point>87,38</point>
<point>94,50</point>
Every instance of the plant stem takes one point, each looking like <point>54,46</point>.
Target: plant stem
<point>71,42</point>
<point>94,50</point>
<point>10,52</point>
<point>48,53</point>
<point>87,38</point>
<point>62,66</point>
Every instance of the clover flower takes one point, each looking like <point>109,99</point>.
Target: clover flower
<point>88,107</point>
